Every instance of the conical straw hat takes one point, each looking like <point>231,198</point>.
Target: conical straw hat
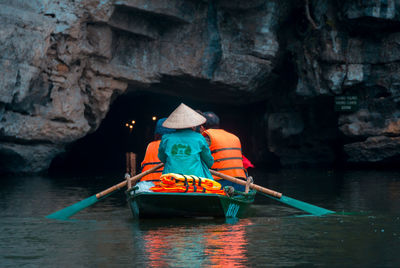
<point>184,117</point>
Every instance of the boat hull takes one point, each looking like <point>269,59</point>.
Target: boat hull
<point>166,205</point>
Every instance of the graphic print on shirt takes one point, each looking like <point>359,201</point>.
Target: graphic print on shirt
<point>181,149</point>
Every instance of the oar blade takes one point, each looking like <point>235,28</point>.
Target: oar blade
<point>67,212</point>
<point>314,210</point>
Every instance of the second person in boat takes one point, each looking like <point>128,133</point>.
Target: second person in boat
<point>226,149</point>
<point>151,157</point>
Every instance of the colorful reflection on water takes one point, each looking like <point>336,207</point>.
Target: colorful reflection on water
<point>218,245</point>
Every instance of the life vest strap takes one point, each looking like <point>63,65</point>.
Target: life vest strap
<point>227,158</point>
<point>194,183</point>
<point>228,168</point>
<point>186,183</point>
<point>157,171</point>
<point>224,149</point>
<point>151,163</point>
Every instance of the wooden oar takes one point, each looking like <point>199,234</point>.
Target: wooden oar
<point>67,212</point>
<point>314,210</point>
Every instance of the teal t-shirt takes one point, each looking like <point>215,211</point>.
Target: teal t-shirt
<point>185,152</point>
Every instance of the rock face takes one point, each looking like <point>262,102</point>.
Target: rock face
<point>62,63</point>
<point>356,51</point>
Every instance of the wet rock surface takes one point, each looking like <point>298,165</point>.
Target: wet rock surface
<point>62,64</point>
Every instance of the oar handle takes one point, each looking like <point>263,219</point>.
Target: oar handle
<point>252,185</point>
<point>123,183</point>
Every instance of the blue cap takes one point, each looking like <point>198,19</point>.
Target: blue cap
<point>162,130</point>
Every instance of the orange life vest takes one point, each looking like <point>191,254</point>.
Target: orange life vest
<point>227,152</point>
<point>178,183</point>
<point>151,160</point>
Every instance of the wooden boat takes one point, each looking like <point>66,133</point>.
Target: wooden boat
<point>189,204</point>
<point>168,205</point>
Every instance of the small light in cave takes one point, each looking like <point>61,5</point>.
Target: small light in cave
<point>127,125</point>
<point>130,126</point>
<point>154,118</point>
<point>133,121</point>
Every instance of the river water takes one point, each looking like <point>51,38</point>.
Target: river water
<point>365,232</point>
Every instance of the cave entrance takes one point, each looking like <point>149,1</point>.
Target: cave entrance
<point>103,152</point>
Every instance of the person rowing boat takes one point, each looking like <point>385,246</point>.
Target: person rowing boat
<point>226,150</point>
<point>185,151</point>
<point>151,157</point>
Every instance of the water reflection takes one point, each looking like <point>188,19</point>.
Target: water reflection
<point>227,245</point>
<point>188,243</point>
<point>105,234</point>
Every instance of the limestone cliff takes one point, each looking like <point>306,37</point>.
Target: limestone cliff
<point>62,63</point>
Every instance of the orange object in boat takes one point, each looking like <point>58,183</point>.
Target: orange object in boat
<point>177,183</point>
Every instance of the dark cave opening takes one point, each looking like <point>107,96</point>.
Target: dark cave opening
<point>103,152</point>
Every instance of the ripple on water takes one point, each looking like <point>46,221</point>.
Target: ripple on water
<point>366,232</point>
